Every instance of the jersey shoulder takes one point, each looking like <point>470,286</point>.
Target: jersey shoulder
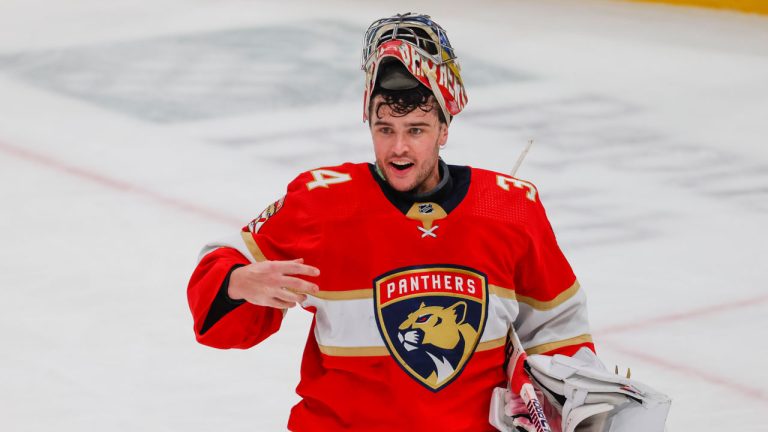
<point>332,190</point>
<point>330,181</point>
<point>502,199</point>
<point>504,188</point>
<point>314,196</point>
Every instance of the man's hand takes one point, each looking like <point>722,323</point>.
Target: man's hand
<point>510,414</point>
<point>516,410</point>
<point>268,283</point>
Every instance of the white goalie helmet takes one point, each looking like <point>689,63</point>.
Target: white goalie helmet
<point>403,51</point>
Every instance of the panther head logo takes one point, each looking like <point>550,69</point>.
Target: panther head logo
<point>431,318</point>
<point>442,334</point>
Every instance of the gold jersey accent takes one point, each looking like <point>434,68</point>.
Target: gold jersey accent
<point>427,213</point>
<point>496,290</point>
<point>383,352</point>
<point>551,304</point>
<point>538,349</point>
<point>253,248</point>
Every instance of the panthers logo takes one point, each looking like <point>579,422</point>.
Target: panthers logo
<point>442,334</point>
<point>431,319</point>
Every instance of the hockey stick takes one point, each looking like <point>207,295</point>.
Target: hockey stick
<point>521,157</point>
<point>519,383</point>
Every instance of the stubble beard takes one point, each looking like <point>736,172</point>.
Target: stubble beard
<point>419,184</point>
<point>427,173</point>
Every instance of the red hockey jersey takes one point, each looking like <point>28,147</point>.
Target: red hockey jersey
<point>415,299</point>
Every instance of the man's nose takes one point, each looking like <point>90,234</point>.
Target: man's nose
<point>401,145</point>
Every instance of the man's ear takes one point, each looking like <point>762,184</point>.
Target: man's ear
<point>443,134</point>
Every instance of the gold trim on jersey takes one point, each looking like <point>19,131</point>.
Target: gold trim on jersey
<point>492,344</point>
<point>253,248</point>
<point>383,352</point>
<point>359,294</point>
<point>367,293</point>
<point>496,290</point>
<point>510,294</point>
<point>551,304</point>
<point>502,292</point>
<point>354,351</point>
<point>538,349</point>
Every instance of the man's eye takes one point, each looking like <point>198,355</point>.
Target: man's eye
<point>385,130</point>
<point>416,131</point>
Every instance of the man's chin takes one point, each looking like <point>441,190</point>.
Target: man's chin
<point>398,182</point>
<point>401,186</point>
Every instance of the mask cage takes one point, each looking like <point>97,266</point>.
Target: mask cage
<point>416,30</point>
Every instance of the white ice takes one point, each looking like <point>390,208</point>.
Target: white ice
<point>132,132</point>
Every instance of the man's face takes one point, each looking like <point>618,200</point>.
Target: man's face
<point>407,147</point>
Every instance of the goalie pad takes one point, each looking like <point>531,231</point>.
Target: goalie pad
<point>591,399</point>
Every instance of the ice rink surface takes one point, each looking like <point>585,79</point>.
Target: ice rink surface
<point>133,132</point>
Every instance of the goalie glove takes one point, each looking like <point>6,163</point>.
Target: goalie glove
<point>592,399</point>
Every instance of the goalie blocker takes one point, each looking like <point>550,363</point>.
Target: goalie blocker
<point>589,398</point>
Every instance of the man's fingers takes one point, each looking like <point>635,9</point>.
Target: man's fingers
<point>295,267</point>
<point>281,304</point>
<point>298,285</point>
<point>285,294</point>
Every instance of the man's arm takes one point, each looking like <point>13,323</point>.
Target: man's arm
<point>221,322</point>
<point>553,320</point>
<point>236,303</point>
<point>243,283</point>
<point>553,308</point>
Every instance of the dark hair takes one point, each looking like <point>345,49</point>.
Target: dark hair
<point>403,102</point>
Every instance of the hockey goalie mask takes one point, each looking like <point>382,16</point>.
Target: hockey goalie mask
<point>403,51</point>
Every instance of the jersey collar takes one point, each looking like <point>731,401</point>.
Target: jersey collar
<point>449,192</point>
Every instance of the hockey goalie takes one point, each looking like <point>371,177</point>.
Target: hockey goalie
<point>415,272</point>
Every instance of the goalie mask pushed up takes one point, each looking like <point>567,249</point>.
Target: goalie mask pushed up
<point>403,51</point>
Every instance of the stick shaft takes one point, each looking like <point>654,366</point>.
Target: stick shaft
<point>521,157</point>
<point>520,383</point>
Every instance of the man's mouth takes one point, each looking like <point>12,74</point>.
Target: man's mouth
<point>401,166</point>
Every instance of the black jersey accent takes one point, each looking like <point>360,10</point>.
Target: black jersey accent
<point>222,303</point>
<point>449,192</point>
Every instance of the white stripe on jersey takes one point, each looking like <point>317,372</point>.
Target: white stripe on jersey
<point>352,323</point>
<point>566,321</point>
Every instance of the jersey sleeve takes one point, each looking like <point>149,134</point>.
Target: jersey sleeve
<point>284,230</point>
<point>553,311</point>
<point>220,322</point>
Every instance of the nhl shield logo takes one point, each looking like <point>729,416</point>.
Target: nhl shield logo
<point>431,318</point>
<point>426,208</point>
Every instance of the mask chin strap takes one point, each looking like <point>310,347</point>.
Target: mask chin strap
<point>430,74</point>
